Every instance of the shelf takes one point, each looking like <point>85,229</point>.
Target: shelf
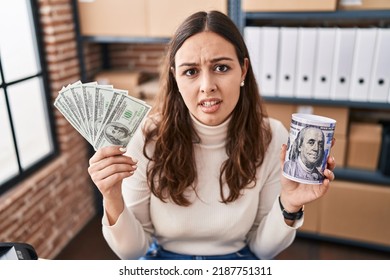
<point>116,39</point>
<point>332,15</point>
<point>329,102</point>
<point>344,241</point>
<point>366,18</point>
<point>362,176</point>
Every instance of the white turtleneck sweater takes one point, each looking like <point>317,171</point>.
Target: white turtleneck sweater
<point>207,226</point>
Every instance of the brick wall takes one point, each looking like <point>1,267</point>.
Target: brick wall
<point>92,59</point>
<point>50,207</point>
<point>140,57</point>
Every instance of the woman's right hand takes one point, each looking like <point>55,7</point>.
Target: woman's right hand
<point>107,168</point>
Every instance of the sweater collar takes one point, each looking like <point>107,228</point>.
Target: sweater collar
<point>211,135</point>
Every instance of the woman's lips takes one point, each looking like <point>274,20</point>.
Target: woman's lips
<point>210,105</point>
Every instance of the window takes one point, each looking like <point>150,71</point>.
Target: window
<point>26,130</point>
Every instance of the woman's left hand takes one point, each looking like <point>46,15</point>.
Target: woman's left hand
<point>294,194</point>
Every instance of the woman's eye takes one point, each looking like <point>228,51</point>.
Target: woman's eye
<point>190,72</point>
<point>222,68</point>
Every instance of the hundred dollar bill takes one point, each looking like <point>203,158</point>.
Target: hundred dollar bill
<point>73,102</point>
<point>76,93</point>
<point>102,114</point>
<point>109,105</point>
<point>102,97</point>
<point>89,92</point>
<point>66,87</point>
<point>67,113</point>
<point>60,104</point>
<point>122,122</point>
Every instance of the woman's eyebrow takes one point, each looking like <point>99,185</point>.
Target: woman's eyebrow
<point>221,58</point>
<point>217,59</point>
<point>188,64</point>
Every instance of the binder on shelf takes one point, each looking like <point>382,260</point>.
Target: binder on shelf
<point>324,62</point>
<point>286,63</point>
<point>306,51</point>
<point>380,76</point>
<point>252,37</point>
<point>268,58</point>
<point>388,100</point>
<point>342,63</point>
<point>362,63</point>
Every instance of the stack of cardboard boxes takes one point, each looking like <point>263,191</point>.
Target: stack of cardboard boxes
<point>364,145</point>
<point>122,79</point>
<point>148,90</point>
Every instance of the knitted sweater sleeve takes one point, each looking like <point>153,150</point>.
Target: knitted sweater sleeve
<point>270,234</point>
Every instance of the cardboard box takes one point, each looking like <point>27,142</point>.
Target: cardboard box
<point>357,212</point>
<point>165,16</point>
<point>288,5</point>
<point>149,89</point>
<point>364,5</point>
<point>312,216</point>
<point>121,79</point>
<point>364,144</point>
<point>340,114</point>
<point>281,112</point>
<point>113,18</point>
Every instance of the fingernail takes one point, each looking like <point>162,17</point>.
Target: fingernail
<point>135,160</point>
<point>123,149</point>
<point>134,166</point>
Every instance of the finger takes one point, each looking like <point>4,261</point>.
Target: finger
<point>109,166</point>
<point>112,170</point>
<point>105,152</point>
<point>329,175</point>
<point>331,163</point>
<point>333,142</point>
<point>118,159</point>
<point>324,187</point>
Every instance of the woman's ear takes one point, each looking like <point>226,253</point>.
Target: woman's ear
<point>244,68</point>
<point>173,71</point>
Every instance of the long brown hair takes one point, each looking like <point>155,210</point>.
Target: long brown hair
<point>172,169</point>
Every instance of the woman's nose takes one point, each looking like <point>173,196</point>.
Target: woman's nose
<point>207,84</point>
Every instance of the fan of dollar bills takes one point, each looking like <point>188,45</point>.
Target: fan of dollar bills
<point>103,115</point>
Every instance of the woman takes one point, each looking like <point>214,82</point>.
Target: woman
<point>202,178</point>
